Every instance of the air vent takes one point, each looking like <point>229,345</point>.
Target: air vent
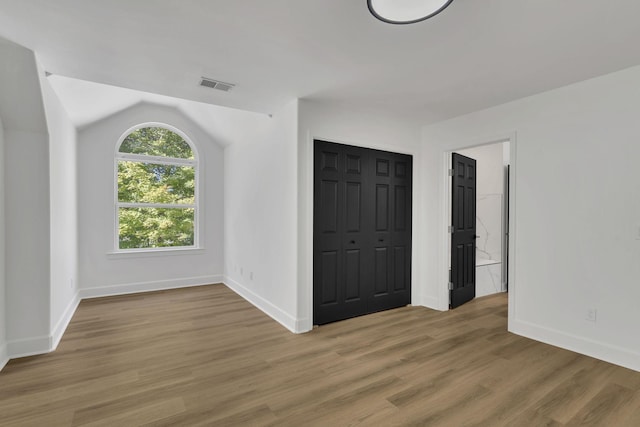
<point>215,84</point>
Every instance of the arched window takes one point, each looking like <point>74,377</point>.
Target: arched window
<point>156,197</point>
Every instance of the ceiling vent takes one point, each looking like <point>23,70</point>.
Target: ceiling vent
<point>215,84</point>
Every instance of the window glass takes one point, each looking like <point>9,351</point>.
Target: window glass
<point>155,183</point>
<point>156,204</point>
<point>155,141</point>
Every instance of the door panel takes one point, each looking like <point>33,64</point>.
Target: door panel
<point>353,202</point>
<point>399,259</point>
<point>382,271</point>
<point>382,207</point>
<point>362,231</point>
<point>329,206</point>
<point>329,267</point>
<point>400,205</point>
<point>463,236</point>
<point>353,279</point>
<point>393,229</point>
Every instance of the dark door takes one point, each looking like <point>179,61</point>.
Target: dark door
<point>392,231</point>
<point>362,231</point>
<point>463,233</point>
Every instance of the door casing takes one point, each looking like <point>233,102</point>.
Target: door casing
<point>377,169</point>
<point>445,218</point>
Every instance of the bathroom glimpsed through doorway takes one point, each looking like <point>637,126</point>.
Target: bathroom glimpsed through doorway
<point>492,201</point>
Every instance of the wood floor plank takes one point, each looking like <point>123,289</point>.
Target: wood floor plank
<point>604,408</point>
<point>204,356</point>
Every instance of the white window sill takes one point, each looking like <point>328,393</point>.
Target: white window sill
<point>150,253</point>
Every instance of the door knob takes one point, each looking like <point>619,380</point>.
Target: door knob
<point>352,242</point>
<point>380,240</point>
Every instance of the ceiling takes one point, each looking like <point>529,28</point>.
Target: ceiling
<point>476,54</point>
<point>79,100</point>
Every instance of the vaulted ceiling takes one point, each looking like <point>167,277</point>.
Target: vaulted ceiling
<point>476,54</point>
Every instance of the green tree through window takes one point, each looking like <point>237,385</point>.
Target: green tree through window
<point>156,190</point>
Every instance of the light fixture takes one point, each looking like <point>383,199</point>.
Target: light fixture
<point>406,11</point>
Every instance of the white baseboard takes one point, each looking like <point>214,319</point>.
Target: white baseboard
<point>156,285</point>
<point>285,319</point>
<point>432,303</point>
<point>63,322</point>
<point>303,325</point>
<point>29,346</point>
<point>45,344</point>
<point>612,354</point>
<point>4,355</point>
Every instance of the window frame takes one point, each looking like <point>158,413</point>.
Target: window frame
<point>142,158</point>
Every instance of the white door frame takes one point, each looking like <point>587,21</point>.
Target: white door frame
<point>445,219</point>
<point>306,297</point>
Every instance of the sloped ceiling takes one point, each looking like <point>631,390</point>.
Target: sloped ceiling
<point>476,54</point>
<point>90,102</point>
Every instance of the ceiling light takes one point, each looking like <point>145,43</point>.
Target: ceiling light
<point>406,11</point>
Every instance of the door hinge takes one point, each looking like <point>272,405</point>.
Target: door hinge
<point>451,172</point>
<point>451,229</point>
<point>450,286</point>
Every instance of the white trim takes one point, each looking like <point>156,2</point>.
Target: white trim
<point>444,255</point>
<point>303,325</point>
<point>612,354</point>
<point>445,217</point>
<point>513,242</point>
<point>431,302</point>
<point>154,252</point>
<point>46,344</point>
<point>285,319</point>
<point>155,160</point>
<point>372,146</point>
<point>29,346</point>
<point>4,356</point>
<point>156,285</point>
<point>63,322</point>
<point>308,194</point>
<point>157,205</point>
<point>306,324</point>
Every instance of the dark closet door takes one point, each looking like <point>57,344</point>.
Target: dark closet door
<point>340,239</point>
<point>362,231</point>
<point>463,235</point>
<point>392,231</point>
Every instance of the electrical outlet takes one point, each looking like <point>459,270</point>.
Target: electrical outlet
<point>251,275</point>
<point>638,232</point>
<point>592,315</point>
<point>241,271</point>
<point>71,283</point>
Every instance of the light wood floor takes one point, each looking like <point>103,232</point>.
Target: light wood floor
<point>204,356</point>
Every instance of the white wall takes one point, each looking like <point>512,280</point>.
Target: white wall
<point>26,173</point>
<point>103,273</point>
<point>359,127</point>
<point>64,208</point>
<point>490,166</point>
<point>27,241</point>
<point>575,212</point>
<point>260,213</point>
<point>4,356</point>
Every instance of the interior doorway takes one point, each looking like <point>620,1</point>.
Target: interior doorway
<point>479,227</point>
